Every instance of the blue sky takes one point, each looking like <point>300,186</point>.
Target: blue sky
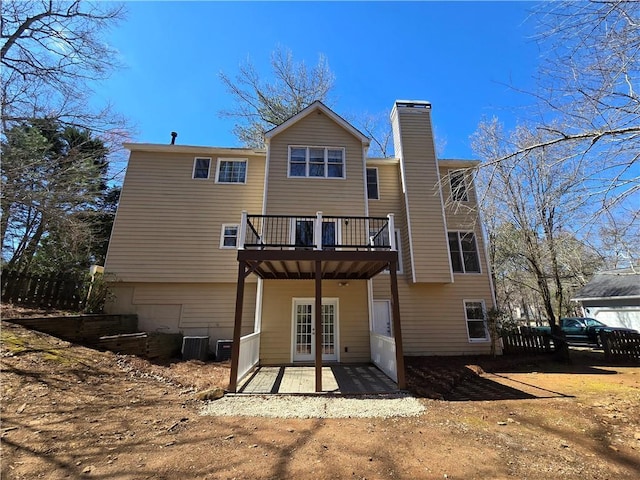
<point>461,56</point>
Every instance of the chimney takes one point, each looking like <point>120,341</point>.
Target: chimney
<point>173,137</point>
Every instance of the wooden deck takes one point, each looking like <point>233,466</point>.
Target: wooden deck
<point>336,379</point>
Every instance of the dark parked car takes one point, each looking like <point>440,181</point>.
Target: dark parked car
<point>583,329</point>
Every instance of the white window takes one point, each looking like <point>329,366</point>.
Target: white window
<point>231,170</point>
<point>372,184</point>
<point>316,162</point>
<point>475,315</point>
<point>458,185</point>
<point>464,252</point>
<point>201,167</point>
<point>229,236</point>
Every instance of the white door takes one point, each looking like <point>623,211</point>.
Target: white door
<point>382,318</point>
<point>304,333</point>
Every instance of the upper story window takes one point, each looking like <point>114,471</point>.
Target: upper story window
<point>201,167</point>
<point>319,162</point>
<point>231,170</point>
<point>458,186</point>
<point>464,252</point>
<point>372,184</point>
<point>229,236</point>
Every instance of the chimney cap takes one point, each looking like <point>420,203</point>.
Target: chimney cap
<point>413,104</point>
<point>173,137</point>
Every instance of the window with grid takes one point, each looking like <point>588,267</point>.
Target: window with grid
<point>201,167</point>
<point>229,236</point>
<point>476,320</point>
<point>316,162</point>
<point>464,252</point>
<point>231,171</point>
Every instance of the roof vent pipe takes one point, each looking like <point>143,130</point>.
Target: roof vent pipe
<point>173,137</point>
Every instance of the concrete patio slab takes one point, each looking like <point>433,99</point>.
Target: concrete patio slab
<point>336,379</point>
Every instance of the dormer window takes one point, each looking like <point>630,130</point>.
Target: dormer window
<point>316,162</point>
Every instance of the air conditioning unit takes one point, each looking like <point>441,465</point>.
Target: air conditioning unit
<point>195,348</point>
<point>223,350</point>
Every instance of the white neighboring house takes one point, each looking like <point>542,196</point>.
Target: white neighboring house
<point>613,297</point>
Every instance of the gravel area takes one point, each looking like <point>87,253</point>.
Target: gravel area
<point>300,406</point>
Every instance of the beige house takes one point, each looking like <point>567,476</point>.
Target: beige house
<point>243,244</point>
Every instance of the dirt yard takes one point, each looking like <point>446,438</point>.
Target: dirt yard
<point>72,412</point>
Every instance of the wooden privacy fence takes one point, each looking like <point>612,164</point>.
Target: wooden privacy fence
<point>513,343</point>
<point>620,346</point>
<point>54,291</point>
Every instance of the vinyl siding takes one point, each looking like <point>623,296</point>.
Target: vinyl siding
<point>168,225</point>
<point>433,316</point>
<point>277,319</point>
<point>306,196</point>
<point>391,201</point>
<point>190,309</point>
<point>414,143</point>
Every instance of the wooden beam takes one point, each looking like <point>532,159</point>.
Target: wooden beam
<point>237,327</point>
<point>318,321</point>
<point>397,330</point>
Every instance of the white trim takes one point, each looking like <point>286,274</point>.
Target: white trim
<point>336,327</point>
<point>485,242</point>
<point>382,160</point>
<point>326,161</point>
<point>193,170</point>
<point>444,218</point>
<point>257,321</point>
<point>487,337</point>
<point>222,236</point>
<point>317,105</point>
<point>193,149</point>
<point>235,160</point>
<point>596,299</point>
<point>366,183</point>
<point>364,173</point>
<point>399,153</point>
<point>266,181</point>
<point>475,241</point>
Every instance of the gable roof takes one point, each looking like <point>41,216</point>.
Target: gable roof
<point>315,106</point>
<point>612,284</point>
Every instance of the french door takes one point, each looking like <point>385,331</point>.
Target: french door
<point>303,235</point>
<point>304,332</point>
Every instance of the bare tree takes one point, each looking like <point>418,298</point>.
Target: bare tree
<point>535,199</point>
<point>589,92</point>
<point>263,104</point>
<point>51,53</point>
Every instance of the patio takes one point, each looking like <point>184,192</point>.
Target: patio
<point>336,379</point>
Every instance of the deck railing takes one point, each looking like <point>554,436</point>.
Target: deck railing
<point>316,232</point>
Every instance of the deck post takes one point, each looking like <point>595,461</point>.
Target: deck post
<point>397,331</point>
<point>237,327</point>
<point>318,326</point>
<point>317,231</point>
<point>392,232</point>
<point>242,230</point>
